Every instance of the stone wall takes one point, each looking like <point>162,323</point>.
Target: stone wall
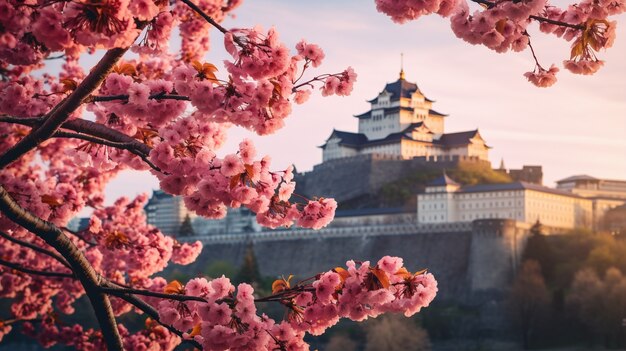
<point>351,177</point>
<point>468,259</point>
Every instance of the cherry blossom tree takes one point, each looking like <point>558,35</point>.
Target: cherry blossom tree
<point>66,135</point>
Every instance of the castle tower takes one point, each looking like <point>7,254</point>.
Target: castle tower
<point>402,123</point>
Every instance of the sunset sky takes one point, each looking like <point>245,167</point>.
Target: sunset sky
<point>578,126</point>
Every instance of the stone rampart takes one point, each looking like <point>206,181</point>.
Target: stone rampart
<point>350,177</point>
<point>467,258</point>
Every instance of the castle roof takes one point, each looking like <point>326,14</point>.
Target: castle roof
<point>459,138</point>
<point>401,88</point>
<point>359,140</point>
<point>395,109</point>
<point>354,140</point>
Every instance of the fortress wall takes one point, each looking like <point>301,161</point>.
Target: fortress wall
<point>496,251</point>
<point>470,260</point>
<point>351,177</point>
<point>305,258</point>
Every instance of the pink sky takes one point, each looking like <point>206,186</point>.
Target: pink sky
<point>577,126</point>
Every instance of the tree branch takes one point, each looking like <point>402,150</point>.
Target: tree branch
<point>36,248</point>
<point>34,271</point>
<point>130,146</point>
<point>124,291</point>
<point>93,132</point>
<point>491,4</point>
<point>160,96</point>
<point>153,313</point>
<point>558,23</point>
<point>206,17</point>
<point>61,112</point>
<point>81,267</point>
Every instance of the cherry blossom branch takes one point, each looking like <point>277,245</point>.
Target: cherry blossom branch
<point>206,17</point>
<point>35,248</point>
<point>34,271</point>
<point>93,132</point>
<point>61,112</point>
<point>81,267</point>
<point>154,314</point>
<point>129,146</point>
<point>80,237</point>
<point>211,21</point>
<point>491,4</point>
<point>160,96</point>
<point>558,23</point>
<point>124,291</point>
<point>532,51</point>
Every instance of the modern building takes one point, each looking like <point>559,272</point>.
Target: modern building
<point>237,221</point>
<point>166,212</point>
<point>402,122</point>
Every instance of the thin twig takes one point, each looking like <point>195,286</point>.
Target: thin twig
<point>128,146</point>
<point>17,267</point>
<point>160,96</point>
<point>123,291</point>
<point>211,21</point>
<point>36,248</point>
<point>491,4</point>
<point>154,314</point>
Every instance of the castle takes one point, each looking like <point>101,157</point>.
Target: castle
<point>401,122</point>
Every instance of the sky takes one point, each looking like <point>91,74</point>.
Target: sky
<point>577,126</point>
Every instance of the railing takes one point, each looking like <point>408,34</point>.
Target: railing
<point>338,232</point>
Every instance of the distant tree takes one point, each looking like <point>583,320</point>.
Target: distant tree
<point>395,333</point>
<point>219,268</point>
<point>537,228</point>
<point>530,300</point>
<point>249,271</point>
<point>585,300</point>
<point>340,342</point>
<point>538,249</point>
<point>186,229</point>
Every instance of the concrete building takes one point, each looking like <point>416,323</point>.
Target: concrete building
<point>166,212</point>
<point>237,221</point>
<point>401,122</point>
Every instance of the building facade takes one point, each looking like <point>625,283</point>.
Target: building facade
<point>237,221</point>
<point>445,201</point>
<point>401,122</point>
<point>166,212</point>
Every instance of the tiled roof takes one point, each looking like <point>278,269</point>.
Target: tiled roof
<point>348,139</point>
<point>395,109</point>
<point>460,138</point>
<point>400,88</point>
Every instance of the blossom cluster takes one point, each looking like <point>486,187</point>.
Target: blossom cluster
<point>227,317</point>
<point>502,26</point>
<point>48,333</point>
